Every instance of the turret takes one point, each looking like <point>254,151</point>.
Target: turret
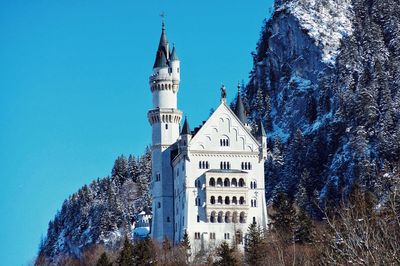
<point>240,111</point>
<point>186,134</point>
<point>262,139</point>
<point>164,119</point>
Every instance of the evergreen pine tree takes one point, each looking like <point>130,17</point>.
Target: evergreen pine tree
<point>227,256</point>
<point>126,254</point>
<point>253,245</point>
<point>303,228</point>
<point>143,252</point>
<point>284,217</point>
<point>185,244</point>
<point>103,260</point>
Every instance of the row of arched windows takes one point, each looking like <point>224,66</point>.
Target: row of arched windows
<point>227,182</point>
<point>227,200</point>
<point>156,118</point>
<point>204,165</point>
<point>161,87</point>
<point>227,217</point>
<point>246,166</point>
<point>225,165</point>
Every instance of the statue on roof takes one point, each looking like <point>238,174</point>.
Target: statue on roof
<point>223,92</point>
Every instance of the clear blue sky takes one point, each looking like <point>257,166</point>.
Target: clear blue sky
<point>74,92</point>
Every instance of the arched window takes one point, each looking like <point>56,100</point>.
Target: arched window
<point>221,166</point>
<point>224,142</point>
<point>254,184</point>
<point>241,201</point>
<point>219,200</point>
<point>234,200</point>
<point>220,215</point>
<point>219,182</point>
<point>159,204</point>
<point>242,165</point>
<point>254,220</point>
<point>227,217</point>
<point>235,217</point>
<point>207,165</point>
<point>251,203</point>
<point>227,200</point>
<point>251,184</point>
<point>212,217</point>
<point>241,182</point>
<point>168,219</point>
<point>225,165</point>
<point>200,165</point>
<point>242,218</point>
<point>255,203</point>
<point>234,182</point>
<point>212,182</point>
<point>227,183</point>
<point>212,200</point>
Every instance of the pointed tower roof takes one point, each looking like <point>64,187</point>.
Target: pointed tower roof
<point>162,50</point>
<point>174,56</point>
<point>185,128</point>
<point>239,108</point>
<point>261,131</point>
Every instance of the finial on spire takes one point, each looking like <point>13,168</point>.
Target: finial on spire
<point>162,15</point>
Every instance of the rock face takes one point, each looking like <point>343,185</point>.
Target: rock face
<point>325,82</point>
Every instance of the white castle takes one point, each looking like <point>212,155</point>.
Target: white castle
<point>208,182</point>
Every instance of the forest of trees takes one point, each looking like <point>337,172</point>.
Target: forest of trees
<point>359,231</point>
<point>102,212</point>
<point>341,126</point>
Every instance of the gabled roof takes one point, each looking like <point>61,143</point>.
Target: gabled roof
<point>215,113</point>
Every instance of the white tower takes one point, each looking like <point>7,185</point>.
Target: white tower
<point>164,119</point>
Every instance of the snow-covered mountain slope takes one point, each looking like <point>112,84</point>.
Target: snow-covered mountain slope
<point>99,213</point>
<point>327,22</point>
<point>325,82</point>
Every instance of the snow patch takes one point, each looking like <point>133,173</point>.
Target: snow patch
<point>327,22</point>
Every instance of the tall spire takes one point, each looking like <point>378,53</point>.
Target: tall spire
<point>239,108</point>
<point>261,130</point>
<point>185,128</point>
<point>163,49</point>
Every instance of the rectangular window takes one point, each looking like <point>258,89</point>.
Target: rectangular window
<point>226,236</point>
<point>197,235</point>
<point>198,219</point>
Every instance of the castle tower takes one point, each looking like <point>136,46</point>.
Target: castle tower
<point>164,119</point>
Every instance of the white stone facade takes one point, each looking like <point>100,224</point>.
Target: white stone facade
<point>209,183</point>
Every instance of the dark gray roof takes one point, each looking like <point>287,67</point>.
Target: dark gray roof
<point>185,128</point>
<point>239,110</point>
<point>231,171</point>
<point>261,131</point>
<point>162,54</point>
<point>174,56</point>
